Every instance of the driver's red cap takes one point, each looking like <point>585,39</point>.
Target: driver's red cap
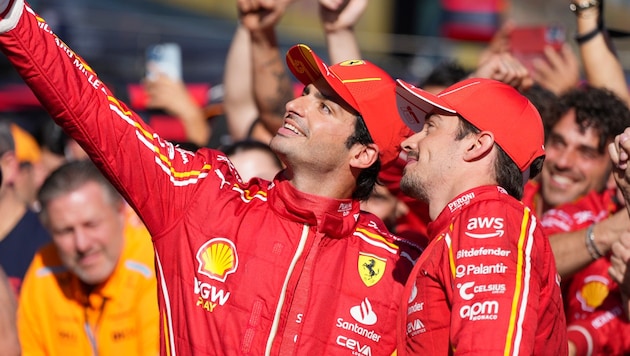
<point>365,87</point>
<point>487,104</point>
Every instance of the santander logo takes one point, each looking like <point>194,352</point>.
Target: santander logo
<point>363,313</point>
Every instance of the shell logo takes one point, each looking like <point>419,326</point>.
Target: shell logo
<point>217,258</point>
<point>593,293</point>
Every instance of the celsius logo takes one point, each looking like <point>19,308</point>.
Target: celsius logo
<point>217,258</point>
<point>463,290</point>
<point>363,313</point>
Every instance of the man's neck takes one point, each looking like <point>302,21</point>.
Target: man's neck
<point>328,186</point>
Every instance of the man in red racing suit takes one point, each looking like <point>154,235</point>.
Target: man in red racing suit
<point>487,281</point>
<point>258,268</point>
<point>593,304</point>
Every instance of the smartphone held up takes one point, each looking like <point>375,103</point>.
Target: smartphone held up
<point>528,43</point>
<point>165,58</point>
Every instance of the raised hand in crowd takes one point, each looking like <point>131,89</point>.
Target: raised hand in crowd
<point>271,83</point>
<point>338,19</point>
<point>619,270</point>
<point>601,65</point>
<point>505,68</point>
<point>558,71</point>
<point>172,96</point>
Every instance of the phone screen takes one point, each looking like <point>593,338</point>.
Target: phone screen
<point>528,43</point>
<point>164,58</point>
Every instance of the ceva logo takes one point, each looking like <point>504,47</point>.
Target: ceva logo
<point>217,258</point>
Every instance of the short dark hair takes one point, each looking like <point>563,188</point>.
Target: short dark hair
<point>445,74</point>
<point>368,176</point>
<point>507,174</point>
<point>596,108</point>
<point>69,177</point>
<point>7,144</point>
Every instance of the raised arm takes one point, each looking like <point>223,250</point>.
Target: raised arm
<point>338,19</point>
<point>569,248</point>
<point>155,177</point>
<point>172,96</point>
<point>272,85</point>
<point>238,83</point>
<point>601,65</point>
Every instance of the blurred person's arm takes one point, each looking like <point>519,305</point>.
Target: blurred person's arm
<point>272,85</point>
<point>601,66</point>
<point>559,71</point>
<point>173,97</point>
<point>9,342</point>
<point>619,270</point>
<point>505,68</point>
<point>338,19</point>
<point>239,103</point>
<point>569,248</point>
<point>500,42</point>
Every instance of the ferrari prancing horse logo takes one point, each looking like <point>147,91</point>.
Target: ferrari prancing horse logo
<point>371,268</point>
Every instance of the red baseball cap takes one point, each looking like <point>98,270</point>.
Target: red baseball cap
<point>488,105</point>
<point>365,87</point>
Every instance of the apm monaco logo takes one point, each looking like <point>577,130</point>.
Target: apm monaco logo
<point>217,259</point>
<point>371,268</point>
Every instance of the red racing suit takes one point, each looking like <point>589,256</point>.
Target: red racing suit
<point>592,299</point>
<point>243,269</point>
<point>486,284</point>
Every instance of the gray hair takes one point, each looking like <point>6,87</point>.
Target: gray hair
<point>70,177</point>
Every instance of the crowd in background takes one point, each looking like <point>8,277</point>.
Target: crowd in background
<point>70,245</point>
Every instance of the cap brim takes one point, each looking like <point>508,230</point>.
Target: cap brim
<point>307,67</point>
<point>415,104</point>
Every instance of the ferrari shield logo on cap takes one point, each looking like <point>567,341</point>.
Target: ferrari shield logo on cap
<point>371,268</point>
<point>352,62</point>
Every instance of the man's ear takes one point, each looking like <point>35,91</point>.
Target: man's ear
<point>10,167</point>
<point>363,156</point>
<point>480,145</point>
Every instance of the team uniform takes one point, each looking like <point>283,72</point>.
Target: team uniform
<point>243,268</point>
<point>593,304</point>
<point>486,284</point>
<point>58,316</point>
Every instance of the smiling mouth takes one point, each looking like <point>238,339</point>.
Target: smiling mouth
<point>561,180</point>
<point>293,129</point>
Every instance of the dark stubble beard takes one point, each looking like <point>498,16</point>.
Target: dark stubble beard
<point>413,188</point>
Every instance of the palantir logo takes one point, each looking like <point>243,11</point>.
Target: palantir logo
<point>217,258</point>
<point>363,313</point>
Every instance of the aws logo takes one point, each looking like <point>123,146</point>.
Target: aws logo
<point>217,258</point>
<point>485,227</point>
<point>371,268</point>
